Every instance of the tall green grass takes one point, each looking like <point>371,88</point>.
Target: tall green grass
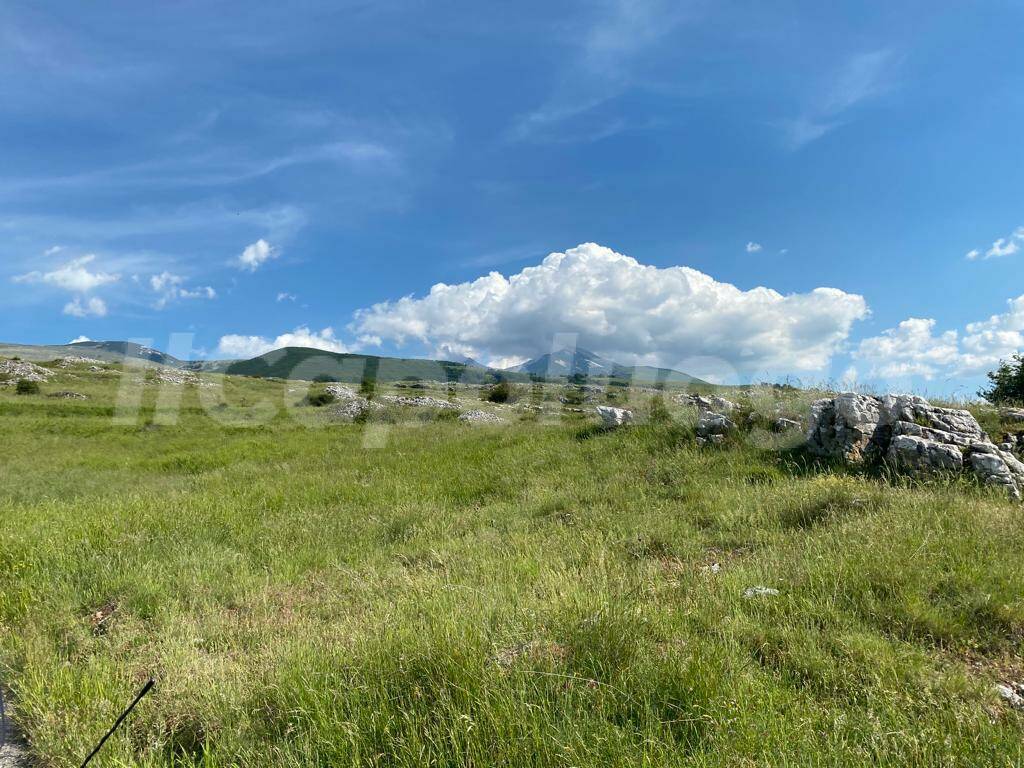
<point>539,594</point>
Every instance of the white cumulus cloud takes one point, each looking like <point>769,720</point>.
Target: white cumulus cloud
<point>171,287</point>
<point>238,346</point>
<point>79,339</point>
<point>79,307</point>
<point>753,247</point>
<point>73,276</point>
<point>913,349</point>
<point>910,349</point>
<point>626,310</point>
<point>1004,246</point>
<point>256,255</point>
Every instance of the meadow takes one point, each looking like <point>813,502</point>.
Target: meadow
<point>539,593</point>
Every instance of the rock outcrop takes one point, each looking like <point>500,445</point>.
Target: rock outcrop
<point>614,417</point>
<point>910,434</point>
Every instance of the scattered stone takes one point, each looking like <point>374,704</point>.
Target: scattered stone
<point>340,392</point>
<point>711,569</point>
<point>481,417</point>
<point>171,376</point>
<point>785,425</point>
<point>1012,694</point>
<point>713,403</point>
<point>72,360</point>
<point>534,650</point>
<point>355,407</point>
<point>759,591</point>
<point>614,417</point>
<point>12,370</point>
<point>67,395</point>
<point>420,401</point>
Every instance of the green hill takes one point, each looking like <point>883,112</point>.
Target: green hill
<point>309,364</point>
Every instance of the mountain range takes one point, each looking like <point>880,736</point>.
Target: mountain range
<point>306,363</point>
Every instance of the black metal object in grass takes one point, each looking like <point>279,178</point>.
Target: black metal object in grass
<point>145,689</point>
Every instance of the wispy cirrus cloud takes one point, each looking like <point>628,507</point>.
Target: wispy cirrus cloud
<point>601,67</point>
<point>860,78</point>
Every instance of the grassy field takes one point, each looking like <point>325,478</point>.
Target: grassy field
<point>439,593</point>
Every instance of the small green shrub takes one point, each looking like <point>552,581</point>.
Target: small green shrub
<point>499,393</point>
<point>318,399</point>
<point>26,387</point>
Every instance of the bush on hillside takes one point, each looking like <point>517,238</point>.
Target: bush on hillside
<point>318,399</point>
<point>26,387</point>
<point>499,393</point>
<point>1007,382</point>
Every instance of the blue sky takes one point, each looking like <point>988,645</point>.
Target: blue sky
<point>258,175</point>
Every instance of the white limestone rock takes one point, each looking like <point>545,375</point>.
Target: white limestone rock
<point>614,417</point>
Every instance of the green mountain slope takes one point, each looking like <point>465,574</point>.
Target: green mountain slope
<point>307,364</point>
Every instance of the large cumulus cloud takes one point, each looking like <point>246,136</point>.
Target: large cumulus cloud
<point>913,349</point>
<point>624,309</point>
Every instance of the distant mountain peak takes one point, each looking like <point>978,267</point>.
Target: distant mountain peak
<point>568,362</point>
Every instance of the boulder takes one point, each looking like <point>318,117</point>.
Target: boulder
<point>614,417</point>
<point>996,467</point>
<point>918,454</point>
<point>714,426</point>
<point>1012,693</point>
<point>1012,415</point>
<point>846,427</point>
